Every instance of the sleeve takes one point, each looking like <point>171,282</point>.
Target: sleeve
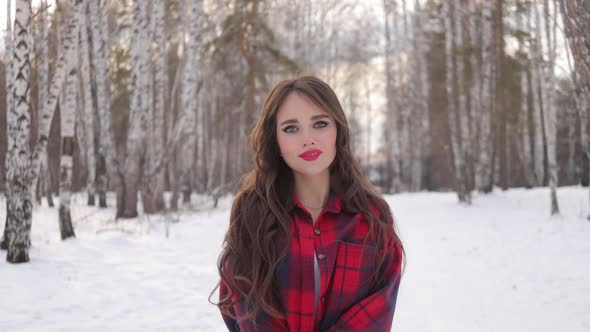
<point>264,323</point>
<point>375,312</point>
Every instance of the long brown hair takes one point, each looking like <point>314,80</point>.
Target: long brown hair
<point>258,234</point>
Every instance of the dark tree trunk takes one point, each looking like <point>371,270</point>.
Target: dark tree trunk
<point>65,223</point>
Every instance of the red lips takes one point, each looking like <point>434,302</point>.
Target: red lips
<point>311,154</point>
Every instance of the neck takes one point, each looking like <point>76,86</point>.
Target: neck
<point>312,191</point>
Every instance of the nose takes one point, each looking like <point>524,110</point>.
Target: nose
<point>308,140</point>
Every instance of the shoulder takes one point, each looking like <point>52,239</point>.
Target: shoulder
<point>380,208</point>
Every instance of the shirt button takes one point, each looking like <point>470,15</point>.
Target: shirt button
<point>317,231</point>
<point>321,256</point>
<point>323,299</point>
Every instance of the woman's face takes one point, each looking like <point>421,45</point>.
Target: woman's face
<point>306,135</point>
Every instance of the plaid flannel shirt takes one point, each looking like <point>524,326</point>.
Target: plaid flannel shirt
<point>348,302</point>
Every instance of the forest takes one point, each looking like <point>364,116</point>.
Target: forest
<point>154,100</point>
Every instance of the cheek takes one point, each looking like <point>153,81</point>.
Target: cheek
<point>331,139</point>
<point>285,144</point>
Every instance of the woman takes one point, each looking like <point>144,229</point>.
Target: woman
<point>311,246</point>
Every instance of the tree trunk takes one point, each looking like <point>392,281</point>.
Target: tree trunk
<point>8,77</point>
<point>43,76</point>
<point>549,113</point>
<point>139,109</point>
<point>153,199</point>
<point>100,49</point>
<point>475,107</point>
<point>538,101</point>
<point>421,47</point>
<point>88,116</point>
<point>462,116</point>
<point>68,124</point>
<point>451,84</point>
<point>524,144</point>
<point>485,164</point>
<point>189,99</point>
<point>392,111</point>
<point>19,204</point>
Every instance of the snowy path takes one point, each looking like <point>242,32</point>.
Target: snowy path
<point>500,265</point>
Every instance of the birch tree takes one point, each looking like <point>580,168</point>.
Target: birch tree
<point>88,110</point>
<point>189,98</point>
<point>451,16</point>
<point>420,93</point>
<point>576,20</point>
<point>101,52</point>
<point>153,200</point>
<point>23,166</point>
<point>8,80</point>
<point>462,118</point>
<point>19,201</point>
<point>549,111</point>
<point>138,111</point>
<point>476,81</point>
<point>68,124</point>
<point>536,87</point>
<point>484,165</point>
<point>43,187</point>
<point>524,144</point>
<point>392,111</point>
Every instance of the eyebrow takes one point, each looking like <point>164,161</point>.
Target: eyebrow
<point>313,118</point>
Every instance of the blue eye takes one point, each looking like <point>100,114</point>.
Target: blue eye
<point>320,124</point>
<point>290,129</point>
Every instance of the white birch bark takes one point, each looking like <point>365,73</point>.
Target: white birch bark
<point>67,126</point>
<point>153,198</point>
<point>88,113</point>
<point>537,88</point>
<point>524,144</point>
<point>19,199</point>
<point>450,72</point>
<point>403,101</point>
<point>8,54</point>
<point>549,112</point>
<point>55,87</point>
<point>44,182</point>
<point>572,139</point>
<point>101,52</point>
<point>213,161</point>
<point>475,88</point>
<point>461,110</point>
<point>139,108</point>
<point>420,93</point>
<point>483,170</point>
<point>189,98</point>
<point>42,77</point>
<point>8,80</point>
<point>22,177</point>
<point>391,126</point>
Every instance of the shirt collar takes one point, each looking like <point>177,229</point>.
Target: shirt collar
<point>334,203</point>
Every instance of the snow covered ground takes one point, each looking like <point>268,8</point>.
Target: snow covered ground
<point>501,264</point>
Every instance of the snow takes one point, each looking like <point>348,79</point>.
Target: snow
<point>502,264</point>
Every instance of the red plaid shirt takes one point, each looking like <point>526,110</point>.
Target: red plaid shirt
<point>348,302</point>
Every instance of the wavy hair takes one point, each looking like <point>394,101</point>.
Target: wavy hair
<point>258,234</point>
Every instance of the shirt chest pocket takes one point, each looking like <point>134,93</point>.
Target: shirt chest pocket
<point>352,275</point>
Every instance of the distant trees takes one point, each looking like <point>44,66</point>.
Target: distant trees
<point>166,92</point>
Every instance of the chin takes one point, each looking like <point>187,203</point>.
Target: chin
<point>312,170</point>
